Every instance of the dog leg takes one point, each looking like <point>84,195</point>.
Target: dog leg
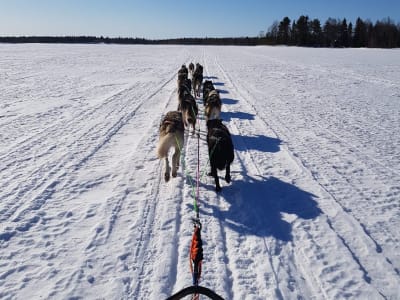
<point>194,127</point>
<point>175,162</point>
<point>167,169</point>
<point>215,175</point>
<point>228,173</point>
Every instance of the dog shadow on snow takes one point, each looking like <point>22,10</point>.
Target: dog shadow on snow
<point>257,142</point>
<point>229,101</point>
<point>263,206</point>
<point>229,115</point>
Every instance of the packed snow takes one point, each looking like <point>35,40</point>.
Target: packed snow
<point>312,212</point>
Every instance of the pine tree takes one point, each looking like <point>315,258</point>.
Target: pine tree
<point>316,33</point>
<point>293,34</point>
<point>331,32</point>
<point>360,34</point>
<point>350,34</point>
<point>344,34</point>
<point>303,31</point>
<point>284,31</point>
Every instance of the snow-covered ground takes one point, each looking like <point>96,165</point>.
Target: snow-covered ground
<point>313,210</point>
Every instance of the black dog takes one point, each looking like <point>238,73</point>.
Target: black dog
<point>220,150</point>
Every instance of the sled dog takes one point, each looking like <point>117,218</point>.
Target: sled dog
<point>197,79</point>
<point>191,69</point>
<point>207,88</point>
<point>220,150</point>
<point>188,107</point>
<point>171,134</point>
<point>212,105</point>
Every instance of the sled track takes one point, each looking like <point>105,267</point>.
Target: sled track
<point>159,252</point>
<point>364,237</point>
<point>272,248</point>
<point>44,182</point>
<point>133,197</point>
<point>156,252</point>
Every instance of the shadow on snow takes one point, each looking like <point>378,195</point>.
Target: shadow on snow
<point>257,142</point>
<point>229,101</point>
<point>257,205</point>
<point>227,116</point>
<point>222,91</point>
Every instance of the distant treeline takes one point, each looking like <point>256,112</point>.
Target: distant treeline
<point>72,40</point>
<point>334,33</point>
<point>106,40</point>
<point>300,32</point>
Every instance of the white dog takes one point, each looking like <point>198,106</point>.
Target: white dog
<point>171,134</point>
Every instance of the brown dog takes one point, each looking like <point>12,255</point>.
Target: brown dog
<point>197,80</point>
<point>207,88</point>
<point>188,107</point>
<point>191,69</point>
<point>213,105</point>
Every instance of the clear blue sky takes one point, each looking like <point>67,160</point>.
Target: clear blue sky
<point>155,19</point>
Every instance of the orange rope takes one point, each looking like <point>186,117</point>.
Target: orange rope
<point>196,254</point>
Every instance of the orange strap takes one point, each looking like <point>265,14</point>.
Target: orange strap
<point>196,255</point>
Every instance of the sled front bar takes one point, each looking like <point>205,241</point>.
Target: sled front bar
<point>195,289</point>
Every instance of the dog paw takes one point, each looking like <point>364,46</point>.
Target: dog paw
<point>174,173</point>
<point>218,189</point>
<point>166,177</point>
<point>228,178</point>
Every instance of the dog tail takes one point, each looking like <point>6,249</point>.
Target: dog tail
<point>172,139</point>
<point>165,142</point>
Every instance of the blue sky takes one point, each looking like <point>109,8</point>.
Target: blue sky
<point>155,19</point>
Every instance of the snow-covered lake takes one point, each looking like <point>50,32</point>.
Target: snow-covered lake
<point>313,210</point>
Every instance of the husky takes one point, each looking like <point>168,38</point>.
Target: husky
<point>183,70</point>
<point>171,134</point>
<point>188,107</point>
<point>197,80</point>
<point>191,69</point>
<point>207,88</point>
<point>220,150</point>
<point>213,105</point>
<point>182,75</point>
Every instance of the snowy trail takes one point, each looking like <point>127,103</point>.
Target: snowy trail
<point>312,211</point>
<point>356,248</point>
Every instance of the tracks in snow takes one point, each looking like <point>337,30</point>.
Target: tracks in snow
<point>338,219</point>
<point>110,116</point>
<point>123,192</point>
<point>285,228</point>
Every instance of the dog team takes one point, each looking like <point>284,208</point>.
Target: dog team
<point>173,124</point>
